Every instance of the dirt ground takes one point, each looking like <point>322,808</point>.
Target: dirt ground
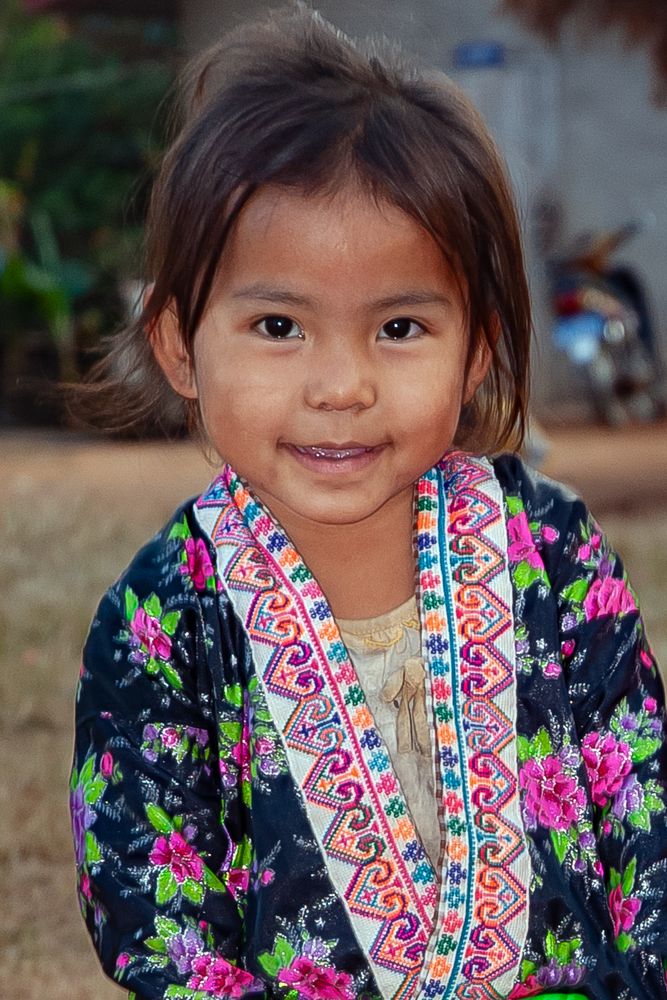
<point>72,515</point>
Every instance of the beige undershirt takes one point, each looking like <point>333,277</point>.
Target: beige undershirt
<point>386,652</point>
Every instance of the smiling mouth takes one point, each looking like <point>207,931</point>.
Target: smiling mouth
<point>334,452</point>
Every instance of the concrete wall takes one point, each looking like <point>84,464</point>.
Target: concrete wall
<point>601,144</point>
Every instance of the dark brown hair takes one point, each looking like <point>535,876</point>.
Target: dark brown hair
<point>290,101</point>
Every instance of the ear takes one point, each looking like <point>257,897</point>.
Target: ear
<point>480,362</point>
<point>171,353</point>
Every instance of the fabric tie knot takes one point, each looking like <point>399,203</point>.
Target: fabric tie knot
<point>407,689</point>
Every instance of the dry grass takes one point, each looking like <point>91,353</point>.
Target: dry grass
<point>72,518</point>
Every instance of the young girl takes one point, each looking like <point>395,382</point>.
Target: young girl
<point>374,716</point>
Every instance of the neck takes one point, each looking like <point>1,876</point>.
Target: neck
<point>364,569</point>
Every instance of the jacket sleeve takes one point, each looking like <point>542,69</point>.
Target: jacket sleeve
<point>617,699</point>
<point>156,816</point>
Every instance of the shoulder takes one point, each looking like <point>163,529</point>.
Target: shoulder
<point>158,624</point>
<point>545,516</point>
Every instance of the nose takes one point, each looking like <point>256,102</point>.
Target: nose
<point>341,379</point>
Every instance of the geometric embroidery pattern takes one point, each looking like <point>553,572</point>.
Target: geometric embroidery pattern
<point>468,629</point>
<point>464,936</point>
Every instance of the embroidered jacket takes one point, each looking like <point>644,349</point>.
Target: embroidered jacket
<point>240,831</point>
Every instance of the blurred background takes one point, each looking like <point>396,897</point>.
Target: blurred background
<point>575,92</point>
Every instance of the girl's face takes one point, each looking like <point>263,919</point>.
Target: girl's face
<point>330,367</point>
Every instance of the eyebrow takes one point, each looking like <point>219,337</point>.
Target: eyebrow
<point>269,293</point>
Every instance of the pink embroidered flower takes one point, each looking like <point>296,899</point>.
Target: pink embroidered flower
<point>106,765</point>
<point>218,977</point>
<point>650,705</point>
<point>122,960</point>
<point>552,669</point>
<point>608,761</point>
<point>548,533</point>
<point>522,545</point>
<point>148,631</point>
<point>181,857</point>
<point>238,880</point>
<point>530,987</point>
<point>584,552</point>
<point>84,886</point>
<point>645,658</point>
<point>552,797</point>
<point>169,736</point>
<point>609,596</point>
<point>197,565</point>
<point>316,982</point>
<point>567,647</point>
<point>624,910</point>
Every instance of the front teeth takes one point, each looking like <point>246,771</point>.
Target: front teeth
<point>332,453</point>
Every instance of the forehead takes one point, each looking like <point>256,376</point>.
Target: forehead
<point>348,237</point>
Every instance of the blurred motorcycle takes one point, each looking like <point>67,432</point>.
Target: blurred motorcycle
<point>603,324</point>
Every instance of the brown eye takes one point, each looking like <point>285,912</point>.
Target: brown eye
<point>279,328</point>
<point>400,328</point>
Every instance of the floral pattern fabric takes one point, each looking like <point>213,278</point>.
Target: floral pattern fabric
<point>200,873</point>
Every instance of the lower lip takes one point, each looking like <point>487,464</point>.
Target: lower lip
<point>355,462</point>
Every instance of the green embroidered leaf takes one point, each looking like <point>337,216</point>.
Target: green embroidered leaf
<point>234,694</point>
<point>166,928</point>
<point>246,793</point>
<point>212,881</point>
<point>640,819</point>
<point>243,853</point>
<point>550,944</point>
<point>523,748</point>
<point>152,666</point>
<point>269,963</point>
<point>563,952</point>
<point>628,882</point>
<point>654,804</point>
<point>527,969</point>
<point>540,745</point>
<point>93,853</point>
<point>94,790</point>
<point>514,505</point>
<point>525,575</point>
<point>614,878</point>
<point>170,675</point>
<point>283,950</point>
<point>561,841</point>
<point>624,942</point>
<point>159,820</point>
<point>152,606</point>
<point>170,622</point>
<point>131,603</point>
<point>167,887</point>
<point>193,891</point>
<point>180,529</point>
<point>184,993</point>
<point>643,748</point>
<point>156,944</point>
<point>87,771</point>
<point>576,591</point>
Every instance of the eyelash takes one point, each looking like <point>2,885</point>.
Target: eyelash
<point>300,333</point>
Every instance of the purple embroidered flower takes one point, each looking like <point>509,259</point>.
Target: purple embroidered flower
<point>629,797</point>
<point>316,949</point>
<point>568,622</point>
<point>150,732</point>
<point>83,818</point>
<point>183,949</point>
